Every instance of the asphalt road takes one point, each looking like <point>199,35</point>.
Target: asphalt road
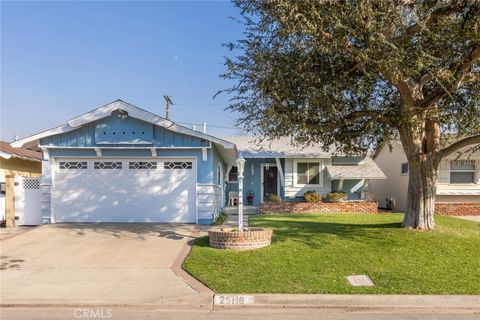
<point>227,314</point>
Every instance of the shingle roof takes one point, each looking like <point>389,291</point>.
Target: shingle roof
<point>7,151</point>
<point>250,147</point>
<point>366,170</point>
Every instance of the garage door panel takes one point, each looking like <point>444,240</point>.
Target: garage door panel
<point>130,192</point>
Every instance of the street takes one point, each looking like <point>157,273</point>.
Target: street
<point>233,313</point>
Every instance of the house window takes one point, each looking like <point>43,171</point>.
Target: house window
<point>177,165</point>
<point>308,173</point>
<point>462,171</point>
<point>233,174</point>
<point>107,165</point>
<point>73,165</point>
<point>142,165</point>
<point>404,168</point>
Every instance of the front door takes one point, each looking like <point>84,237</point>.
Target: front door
<point>270,182</point>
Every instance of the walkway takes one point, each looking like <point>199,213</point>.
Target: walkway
<point>232,220</point>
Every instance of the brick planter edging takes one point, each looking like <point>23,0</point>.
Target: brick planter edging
<point>249,239</point>
<point>458,208</point>
<point>320,207</point>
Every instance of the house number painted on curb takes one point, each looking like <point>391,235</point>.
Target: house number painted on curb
<point>232,300</point>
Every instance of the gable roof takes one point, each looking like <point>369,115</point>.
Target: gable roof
<point>7,152</point>
<point>105,111</point>
<point>251,147</point>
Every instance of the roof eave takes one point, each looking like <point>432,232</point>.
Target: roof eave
<point>106,111</point>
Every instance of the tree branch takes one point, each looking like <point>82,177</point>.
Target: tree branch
<point>458,145</point>
<point>460,74</point>
<point>350,118</point>
<point>433,17</point>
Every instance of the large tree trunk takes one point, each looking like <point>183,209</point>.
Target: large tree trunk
<point>421,195</point>
<point>421,143</point>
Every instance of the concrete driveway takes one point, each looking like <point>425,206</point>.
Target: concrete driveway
<point>117,264</point>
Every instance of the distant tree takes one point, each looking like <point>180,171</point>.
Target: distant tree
<point>360,73</point>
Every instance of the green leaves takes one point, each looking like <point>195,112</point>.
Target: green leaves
<point>354,72</point>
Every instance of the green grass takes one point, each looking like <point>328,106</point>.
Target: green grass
<point>313,253</point>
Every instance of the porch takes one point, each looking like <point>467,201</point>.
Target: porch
<point>232,220</point>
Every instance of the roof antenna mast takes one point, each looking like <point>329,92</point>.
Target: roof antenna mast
<point>168,103</point>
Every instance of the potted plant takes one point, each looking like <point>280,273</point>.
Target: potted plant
<point>250,197</point>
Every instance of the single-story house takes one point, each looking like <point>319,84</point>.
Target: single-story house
<point>121,163</point>
<point>15,164</point>
<point>457,187</point>
<point>281,168</point>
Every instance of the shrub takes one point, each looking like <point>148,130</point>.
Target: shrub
<point>220,219</point>
<point>274,198</point>
<point>312,196</point>
<point>337,196</point>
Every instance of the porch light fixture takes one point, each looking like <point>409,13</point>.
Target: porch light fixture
<point>240,167</point>
<point>252,170</point>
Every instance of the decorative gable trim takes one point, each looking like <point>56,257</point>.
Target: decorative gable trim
<point>132,111</point>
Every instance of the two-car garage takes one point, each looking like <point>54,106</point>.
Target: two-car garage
<point>124,190</point>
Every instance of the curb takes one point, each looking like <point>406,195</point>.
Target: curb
<point>471,302</point>
<point>185,276</point>
<point>200,302</point>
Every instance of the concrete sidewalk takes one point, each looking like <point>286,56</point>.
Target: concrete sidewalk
<point>469,218</point>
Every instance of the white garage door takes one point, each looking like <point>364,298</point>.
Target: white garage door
<point>124,190</point>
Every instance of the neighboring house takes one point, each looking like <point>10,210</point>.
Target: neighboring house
<point>120,163</point>
<point>15,164</point>
<point>280,168</point>
<point>458,181</point>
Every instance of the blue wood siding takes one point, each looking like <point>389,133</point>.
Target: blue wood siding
<point>111,131</point>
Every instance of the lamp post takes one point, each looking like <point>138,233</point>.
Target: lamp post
<point>240,167</point>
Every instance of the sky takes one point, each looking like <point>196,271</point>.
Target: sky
<point>62,59</point>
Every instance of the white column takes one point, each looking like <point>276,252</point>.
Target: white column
<point>240,203</point>
<point>241,167</point>
<point>340,185</point>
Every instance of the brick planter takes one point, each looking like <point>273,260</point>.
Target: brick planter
<point>320,207</point>
<point>249,239</point>
<point>458,208</point>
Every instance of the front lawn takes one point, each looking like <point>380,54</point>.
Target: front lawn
<point>313,253</point>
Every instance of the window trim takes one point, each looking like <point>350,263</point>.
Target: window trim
<point>474,170</point>
<point>320,171</point>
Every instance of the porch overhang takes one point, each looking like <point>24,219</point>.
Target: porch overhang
<point>367,170</point>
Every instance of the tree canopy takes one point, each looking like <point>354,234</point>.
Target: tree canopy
<point>358,73</point>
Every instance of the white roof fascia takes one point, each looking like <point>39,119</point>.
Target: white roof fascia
<point>134,112</point>
<point>25,141</point>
